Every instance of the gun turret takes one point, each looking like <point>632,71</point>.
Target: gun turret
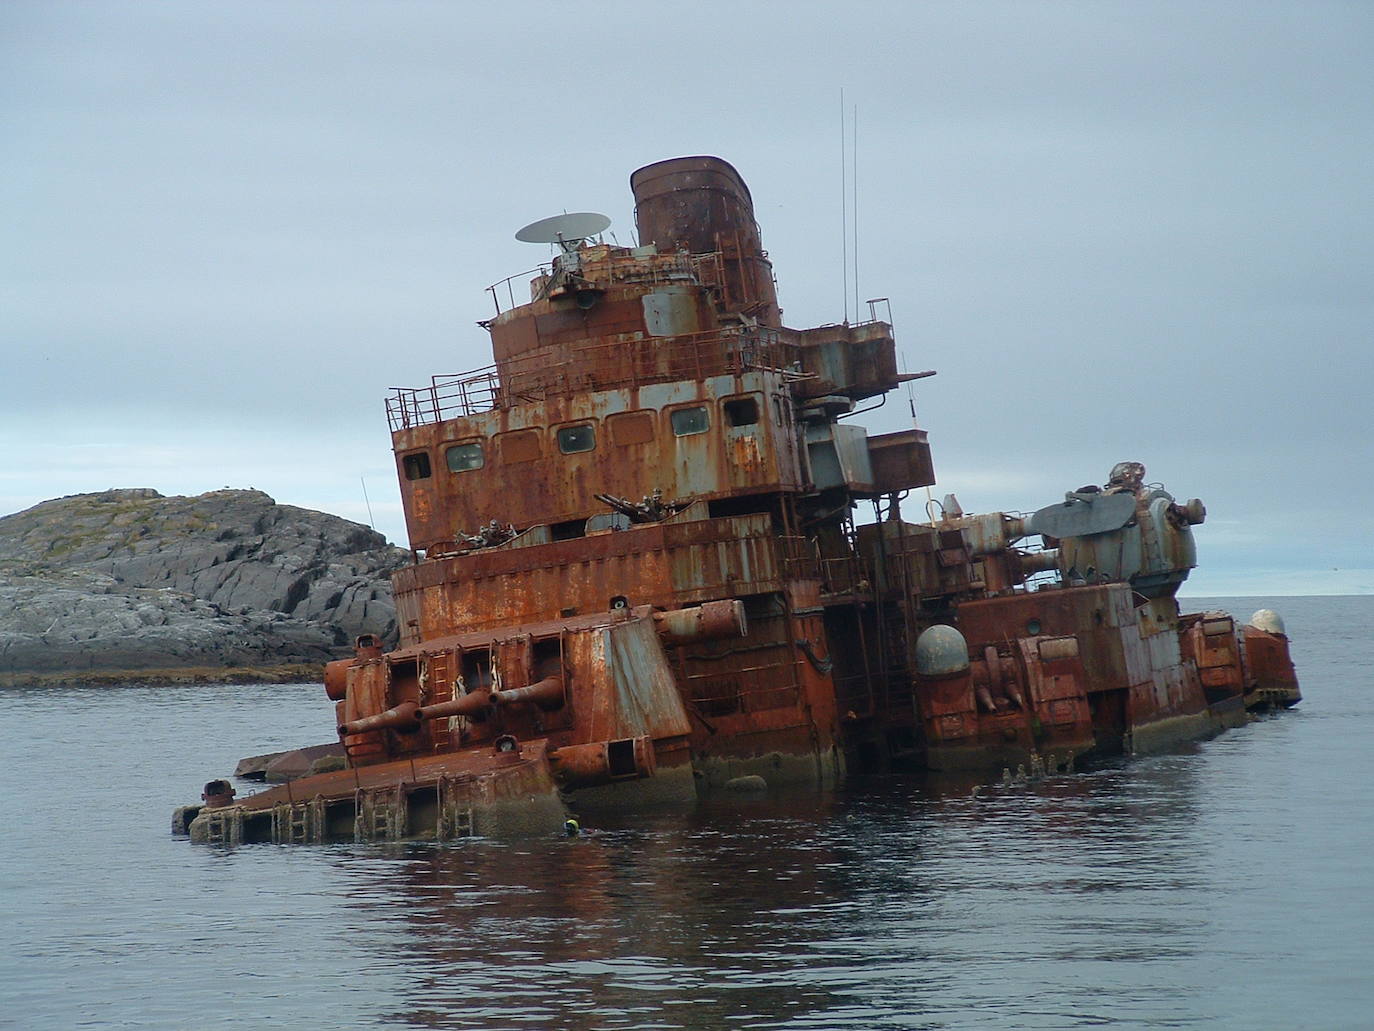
<point>652,509</point>
<point>1126,532</point>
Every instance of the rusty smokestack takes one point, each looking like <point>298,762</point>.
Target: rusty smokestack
<point>702,206</point>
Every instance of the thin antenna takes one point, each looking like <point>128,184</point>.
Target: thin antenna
<point>844,214</point>
<point>854,185</point>
<point>370,521</point>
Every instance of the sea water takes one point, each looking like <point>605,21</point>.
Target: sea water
<point>1226,884</point>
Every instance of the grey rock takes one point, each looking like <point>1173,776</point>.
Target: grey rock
<point>129,579</point>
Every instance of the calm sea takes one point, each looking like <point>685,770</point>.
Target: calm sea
<point>1230,884</point>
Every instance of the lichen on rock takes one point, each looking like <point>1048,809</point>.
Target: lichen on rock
<point>130,579</point>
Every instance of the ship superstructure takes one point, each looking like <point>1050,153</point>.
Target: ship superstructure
<point>639,573</point>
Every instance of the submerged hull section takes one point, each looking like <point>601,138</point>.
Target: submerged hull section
<point>641,573</point>
<point>437,797</point>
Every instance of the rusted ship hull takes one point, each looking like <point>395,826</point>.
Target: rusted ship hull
<point>562,642</point>
<point>437,797</point>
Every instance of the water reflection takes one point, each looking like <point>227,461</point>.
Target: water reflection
<point>660,922</point>
<point>898,904</point>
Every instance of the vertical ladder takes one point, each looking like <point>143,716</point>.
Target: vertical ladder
<point>439,680</point>
<point>298,823</point>
<point>454,819</point>
<point>380,814</point>
<point>224,826</point>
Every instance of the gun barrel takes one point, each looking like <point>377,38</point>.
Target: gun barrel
<point>469,704</point>
<point>400,717</point>
<point>1038,561</point>
<point>547,693</point>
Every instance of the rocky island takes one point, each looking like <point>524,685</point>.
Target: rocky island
<point>129,584</point>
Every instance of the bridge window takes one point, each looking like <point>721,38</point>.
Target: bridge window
<point>462,457</point>
<point>690,421</point>
<point>416,466</point>
<point>741,411</point>
<point>574,439</point>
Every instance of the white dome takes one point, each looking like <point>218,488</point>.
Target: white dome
<point>1269,621</point>
<point>940,651</point>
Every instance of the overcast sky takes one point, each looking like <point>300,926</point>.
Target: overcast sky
<point>1118,231</point>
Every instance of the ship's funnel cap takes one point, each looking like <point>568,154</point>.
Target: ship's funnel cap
<point>683,204</point>
<point>701,205</point>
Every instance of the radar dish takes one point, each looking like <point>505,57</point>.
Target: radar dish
<point>564,229</point>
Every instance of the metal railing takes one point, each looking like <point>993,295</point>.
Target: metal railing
<point>506,287</point>
<point>841,574</point>
<point>587,366</point>
<point>445,398</point>
<point>614,268</point>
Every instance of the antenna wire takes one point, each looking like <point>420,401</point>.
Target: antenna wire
<point>844,217</point>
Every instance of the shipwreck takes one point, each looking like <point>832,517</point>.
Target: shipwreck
<point>655,557</point>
